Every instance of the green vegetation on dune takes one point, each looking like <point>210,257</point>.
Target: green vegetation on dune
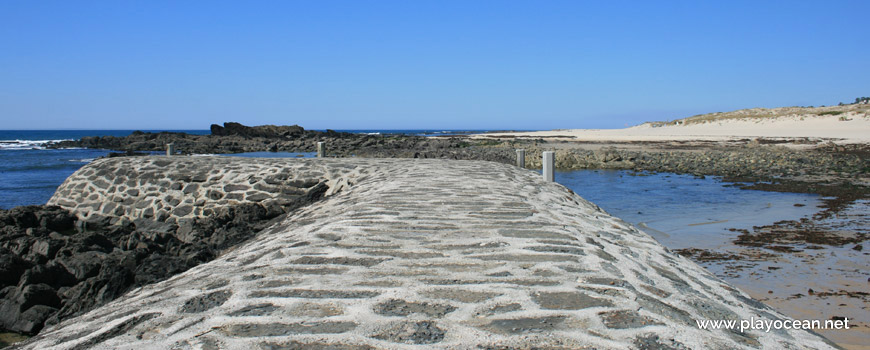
<point>831,113</point>
<point>860,108</point>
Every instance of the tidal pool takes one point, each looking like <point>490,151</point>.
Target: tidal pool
<point>683,211</point>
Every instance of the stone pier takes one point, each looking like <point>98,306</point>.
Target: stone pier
<point>405,254</point>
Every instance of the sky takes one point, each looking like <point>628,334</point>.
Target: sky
<point>497,65</point>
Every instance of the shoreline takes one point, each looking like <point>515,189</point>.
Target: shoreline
<point>807,268</point>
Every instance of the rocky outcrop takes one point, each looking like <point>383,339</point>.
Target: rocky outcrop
<point>266,131</point>
<point>425,253</point>
<point>763,162</point>
<point>232,138</point>
<point>238,138</point>
<point>50,274</point>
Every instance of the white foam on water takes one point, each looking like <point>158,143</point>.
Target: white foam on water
<point>25,144</point>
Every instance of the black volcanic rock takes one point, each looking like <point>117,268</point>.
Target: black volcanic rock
<point>52,274</point>
<point>24,309</point>
<point>264,131</point>
<point>53,267</point>
<point>234,137</point>
<point>237,138</point>
<point>230,138</point>
<point>11,267</point>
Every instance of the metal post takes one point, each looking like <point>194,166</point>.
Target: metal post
<point>521,158</point>
<point>321,150</point>
<point>548,162</point>
<point>170,149</point>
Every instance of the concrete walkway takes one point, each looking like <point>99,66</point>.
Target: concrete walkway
<point>414,254</point>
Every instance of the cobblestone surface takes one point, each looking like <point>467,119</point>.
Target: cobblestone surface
<point>178,188</point>
<point>406,254</point>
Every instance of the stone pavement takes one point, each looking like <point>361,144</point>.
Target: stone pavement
<point>410,254</point>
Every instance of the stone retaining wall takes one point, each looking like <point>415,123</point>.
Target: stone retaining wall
<point>169,188</point>
<point>416,254</point>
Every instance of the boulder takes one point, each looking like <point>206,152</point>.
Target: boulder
<point>24,310</point>
<point>37,294</point>
<point>11,267</point>
<point>82,265</point>
<point>45,248</point>
<point>33,320</point>
<point>23,216</point>
<point>51,274</point>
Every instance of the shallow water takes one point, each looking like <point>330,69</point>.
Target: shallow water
<point>31,176</point>
<point>7,339</point>
<point>683,211</point>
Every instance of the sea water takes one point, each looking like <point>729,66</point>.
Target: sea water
<point>683,211</point>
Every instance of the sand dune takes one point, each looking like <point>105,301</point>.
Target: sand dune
<point>852,125</point>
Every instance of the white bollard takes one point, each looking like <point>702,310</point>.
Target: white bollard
<point>321,150</point>
<point>170,149</point>
<point>548,162</point>
<point>521,158</point>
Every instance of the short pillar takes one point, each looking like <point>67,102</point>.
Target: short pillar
<point>548,162</point>
<point>321,150</point>
<point>521,158</point>
<point>170,149</point>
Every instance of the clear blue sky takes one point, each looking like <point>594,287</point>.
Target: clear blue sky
<point>420,64</point>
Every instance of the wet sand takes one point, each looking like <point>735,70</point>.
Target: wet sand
<point>806,280</point>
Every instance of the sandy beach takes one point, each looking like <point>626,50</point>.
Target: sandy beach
<point>808,125</point>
